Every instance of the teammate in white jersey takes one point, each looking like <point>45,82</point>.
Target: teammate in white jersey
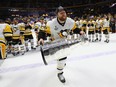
<point>98,30</point>
<point>18,45</point>
<point>91,30</point>
<point>57,28</point>
<point>2,40</point>
<point>106,28</point>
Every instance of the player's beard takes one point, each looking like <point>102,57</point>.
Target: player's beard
<point>62,18</point>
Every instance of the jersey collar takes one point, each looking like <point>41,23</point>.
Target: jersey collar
<point>62,24</point>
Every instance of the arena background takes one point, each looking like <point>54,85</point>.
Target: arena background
<point>13,8</point>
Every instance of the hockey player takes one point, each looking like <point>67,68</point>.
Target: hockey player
<point>36,29</point>
<point>78,26</point>
<point>84,25</point>
<point>21,27</point>
<point>98,30</point>
<point>28,36</point>
<point>43,27</point>
<point>91,30</point>
<point>18,46</point>
<point>8,35</point>
<point>78,23</point>
<point>3,26</point>
<point>57,29</point>
<point>106,28</point>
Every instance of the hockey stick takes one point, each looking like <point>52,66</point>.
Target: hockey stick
<point>42,54</point>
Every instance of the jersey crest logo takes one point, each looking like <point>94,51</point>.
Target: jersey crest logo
<point>56,28</point>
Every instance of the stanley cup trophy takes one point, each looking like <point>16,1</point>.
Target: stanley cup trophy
<point>60,48</point>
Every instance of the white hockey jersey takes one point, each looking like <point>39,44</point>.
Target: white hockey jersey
<point>106,23</point>
<point>78,24</point>
<point>16,30</point>
<point>2,27</point>
<point>98,23</point>
<point>40,25</point>
<point>54,27</point>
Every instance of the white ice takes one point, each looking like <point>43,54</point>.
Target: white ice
<point>88,65</point>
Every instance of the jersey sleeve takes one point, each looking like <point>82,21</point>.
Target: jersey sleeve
<point>7,31</point>
<point>48,30</point>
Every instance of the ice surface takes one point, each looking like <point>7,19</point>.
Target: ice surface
<point>88,65</point>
